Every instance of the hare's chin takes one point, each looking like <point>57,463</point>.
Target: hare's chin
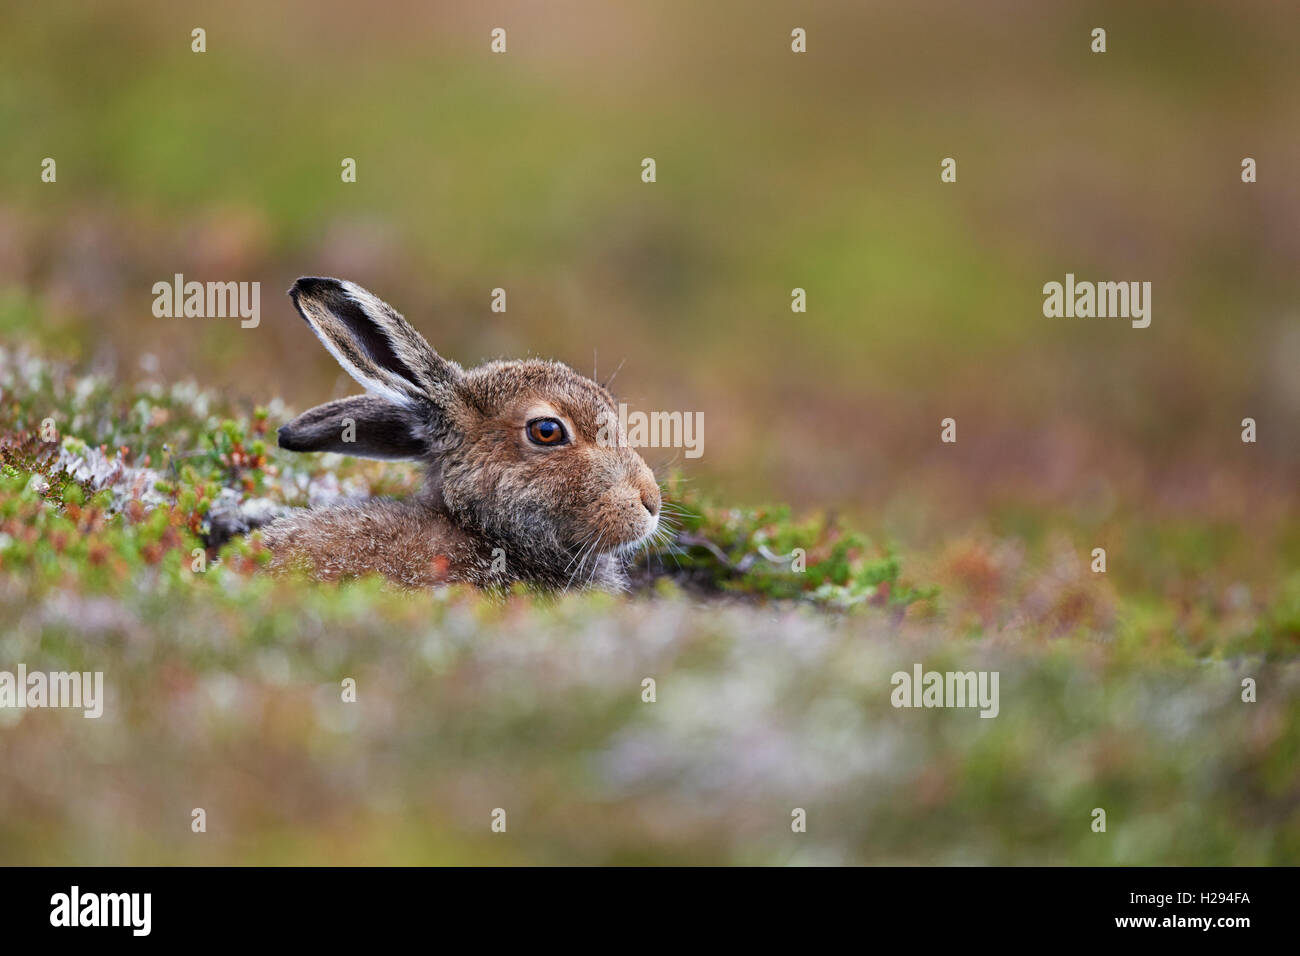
<point>625,549</point>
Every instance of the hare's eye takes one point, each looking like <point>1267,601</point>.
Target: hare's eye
<point>546,431</point>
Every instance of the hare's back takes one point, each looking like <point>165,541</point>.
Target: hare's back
<point>403,541</point>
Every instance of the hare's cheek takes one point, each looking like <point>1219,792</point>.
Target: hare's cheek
<point>594,520</point>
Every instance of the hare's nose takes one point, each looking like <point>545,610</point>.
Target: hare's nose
<point>650,498</point>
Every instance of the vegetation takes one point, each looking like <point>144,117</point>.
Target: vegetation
<point>772,686</point>
<point>1119,690</point>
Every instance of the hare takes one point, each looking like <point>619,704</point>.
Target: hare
<point>527,477</point>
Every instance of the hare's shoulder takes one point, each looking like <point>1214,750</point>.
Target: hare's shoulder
<point>407,542</point>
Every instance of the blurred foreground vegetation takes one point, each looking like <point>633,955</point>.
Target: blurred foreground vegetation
<point>224,687</point>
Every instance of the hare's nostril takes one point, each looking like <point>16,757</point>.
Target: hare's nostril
<point>651,502</point>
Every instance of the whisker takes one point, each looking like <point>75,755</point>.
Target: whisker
<point>579,547</point>
<point>594,553</point>
<point>587,552</point>
<point>616,371</point>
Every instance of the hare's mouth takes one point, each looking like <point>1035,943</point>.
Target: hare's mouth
<point>634,544</point>
<point>621,545</point>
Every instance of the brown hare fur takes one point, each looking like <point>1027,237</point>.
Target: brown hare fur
<point>527,478</point>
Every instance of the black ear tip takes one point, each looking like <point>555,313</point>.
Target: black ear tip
<point>287,438</point>
<point>312,285</point>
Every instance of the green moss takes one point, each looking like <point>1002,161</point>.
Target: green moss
<point>766,553</point>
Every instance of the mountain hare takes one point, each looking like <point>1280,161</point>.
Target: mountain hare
<point>523,481</point>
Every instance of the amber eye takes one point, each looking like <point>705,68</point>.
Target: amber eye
<point>546,431</point>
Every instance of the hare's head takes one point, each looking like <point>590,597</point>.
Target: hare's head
<point>526,453</point>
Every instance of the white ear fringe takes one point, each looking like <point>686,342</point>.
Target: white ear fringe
<point>375,386</point>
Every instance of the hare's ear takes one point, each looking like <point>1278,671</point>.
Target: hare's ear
<point>364,426</point>
<point>372,342</point>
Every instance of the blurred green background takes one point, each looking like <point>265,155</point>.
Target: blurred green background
<point>775,171</point>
